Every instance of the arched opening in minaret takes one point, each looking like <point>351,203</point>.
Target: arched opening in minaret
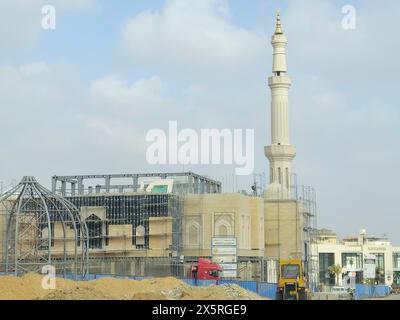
<point>280,175</point>
<point>287,178</point>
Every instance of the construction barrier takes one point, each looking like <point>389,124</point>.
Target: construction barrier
<point>365,291</point>
<point>263,289</point>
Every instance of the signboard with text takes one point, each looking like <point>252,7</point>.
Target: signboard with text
<point>224,252</point>
<point>369,267</point>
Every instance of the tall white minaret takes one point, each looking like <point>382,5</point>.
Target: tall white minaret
<point>280,153</point>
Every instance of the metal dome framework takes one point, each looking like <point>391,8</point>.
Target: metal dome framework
<point>41,229</point>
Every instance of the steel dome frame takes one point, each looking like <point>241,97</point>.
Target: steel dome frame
<point>30,213</point>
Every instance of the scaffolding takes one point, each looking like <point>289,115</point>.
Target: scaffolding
<point>131,227</point>
<point>39,228</point>
<point>184,182</point>
<point>306,196</point>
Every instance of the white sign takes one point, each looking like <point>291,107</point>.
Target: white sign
<point>230,242</point>
<point>227,266</point>
<point>229,274</point>
<point>224,259</point>
<point>369,267</point>
<point>224,250</point>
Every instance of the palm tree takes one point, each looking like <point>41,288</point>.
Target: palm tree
<point>336,269</point>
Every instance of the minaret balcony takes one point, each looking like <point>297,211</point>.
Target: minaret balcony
<point>279,81</point>
<point>280,152</point>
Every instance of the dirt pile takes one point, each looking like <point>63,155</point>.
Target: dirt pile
<point>29,287</point>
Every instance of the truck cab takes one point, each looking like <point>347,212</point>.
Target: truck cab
<point>205,269</point>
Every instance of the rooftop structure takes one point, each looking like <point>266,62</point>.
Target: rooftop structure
<point>183,182</point>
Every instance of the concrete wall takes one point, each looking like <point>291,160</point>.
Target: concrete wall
<point>223,215</point>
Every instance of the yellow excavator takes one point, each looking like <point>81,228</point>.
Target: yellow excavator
<point>292,282</point>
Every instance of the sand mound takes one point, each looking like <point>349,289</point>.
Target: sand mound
<point>29,287</point>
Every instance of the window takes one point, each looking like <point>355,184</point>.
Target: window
<point>214,273</point>
<point>325,261</point>
<point>380,267</point>
<point>352,261</point>
<point>160,189</point>
<point>396,260</point>
<point>290,271</point>
<point>95,228</point>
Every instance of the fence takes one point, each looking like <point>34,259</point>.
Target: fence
<point>364,291</point>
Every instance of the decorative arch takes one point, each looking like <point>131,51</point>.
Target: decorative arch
<point>95,230</point>
<point>224,225</point>
<point>193,233</point>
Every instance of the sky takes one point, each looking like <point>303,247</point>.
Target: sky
<point>80,99</point>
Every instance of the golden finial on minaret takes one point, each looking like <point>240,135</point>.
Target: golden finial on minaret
<point>278,23</point>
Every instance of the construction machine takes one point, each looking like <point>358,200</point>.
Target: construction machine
<point>292,282</point>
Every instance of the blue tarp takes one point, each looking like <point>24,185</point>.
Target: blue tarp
<point>364,291</point>
<point>267,290</point>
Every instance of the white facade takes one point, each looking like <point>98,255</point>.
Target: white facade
<point>345,250</point>
<point>280,153</point>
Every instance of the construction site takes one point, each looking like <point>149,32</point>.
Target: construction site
<point>156,225</point>
<point>177,224</point>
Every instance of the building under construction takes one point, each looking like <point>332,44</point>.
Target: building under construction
<point>159,225</point>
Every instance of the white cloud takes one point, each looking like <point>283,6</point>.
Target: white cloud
<point>319,44</point>
<point>113,90</point>
<point>190,37</point>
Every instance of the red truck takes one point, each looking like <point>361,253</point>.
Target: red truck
<point>205,269</point>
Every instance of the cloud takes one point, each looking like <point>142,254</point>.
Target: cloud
<point>190,61</point>
<point>142,93</point>
<point>190,37</point>
<point>320,44</point>
<point>348,150</point>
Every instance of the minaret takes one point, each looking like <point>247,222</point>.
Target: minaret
<point>280,153</point>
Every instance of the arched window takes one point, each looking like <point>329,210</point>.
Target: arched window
<point>224,225</point>
<point>95,228</point>
<point>193,235</point>
<point>193,230</point>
